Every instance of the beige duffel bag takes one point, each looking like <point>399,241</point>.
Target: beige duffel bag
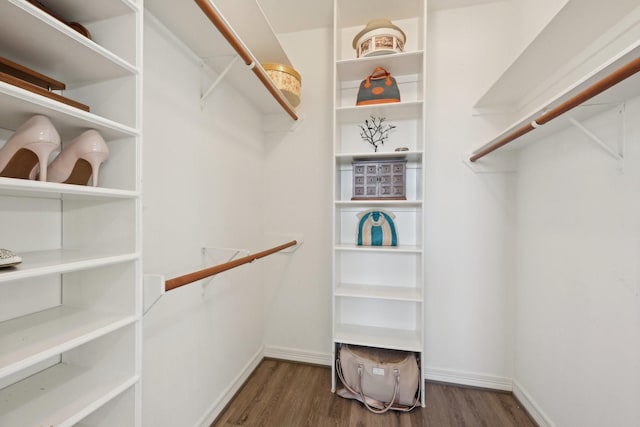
<point>382,379</point>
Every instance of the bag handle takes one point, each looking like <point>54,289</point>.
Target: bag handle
<point>361,394</point>
<point>377,73</point>
<point>396,374</point>
<point>364,399</point>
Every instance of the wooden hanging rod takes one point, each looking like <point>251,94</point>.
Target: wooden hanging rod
<point>210,271</point>
<point>222,26</point>
<point>600,86</point>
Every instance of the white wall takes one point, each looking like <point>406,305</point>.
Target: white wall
<point>469,216</point>
<point>202,183</point>
<point>578,281</point>
<point>298,200</point>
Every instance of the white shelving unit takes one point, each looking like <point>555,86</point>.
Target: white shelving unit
<point>378,292</point>
<point>70,313</point>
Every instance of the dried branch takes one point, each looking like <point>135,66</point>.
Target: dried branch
<point>375,132</point>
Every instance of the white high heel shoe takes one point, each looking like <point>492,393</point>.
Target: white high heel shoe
<point>29,147</point>
<point>80,160</point>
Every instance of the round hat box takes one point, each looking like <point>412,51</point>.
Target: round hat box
<point>286,79</point>
<point>379,37</point>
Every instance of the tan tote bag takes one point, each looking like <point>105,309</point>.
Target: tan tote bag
<point>381,379</point>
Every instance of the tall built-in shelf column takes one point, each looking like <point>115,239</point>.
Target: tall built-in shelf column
<point>378,292</point>
<point>70,313</point>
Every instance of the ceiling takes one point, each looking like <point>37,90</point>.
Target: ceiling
<point>310,14</point>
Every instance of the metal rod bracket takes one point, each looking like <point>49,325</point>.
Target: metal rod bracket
<point>617,154</point>
<point>216,82</point>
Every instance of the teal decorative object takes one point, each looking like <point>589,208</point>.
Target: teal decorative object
<point>376,228</point>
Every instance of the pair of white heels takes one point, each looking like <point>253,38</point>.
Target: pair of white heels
<point>26,154</point>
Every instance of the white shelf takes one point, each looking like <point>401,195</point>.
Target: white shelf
<point>614,96</point>
<point>19,104</point>
<point>344,159</point>
<point>392,111</point>
<point>93,10</point>
<point>246,18</point>
<point>398,339</point>
<point>559,56</point>
<point>41,263</point>
<point>190,25</point>
<point>60,396</point>
<point>397,64</point>
<point>558,64</point>
<point>51,190</point>
<point>252,26</point>
<point>54,58</point>
<point>380,249</point>
<point>30,339</point>
<point>379,292</point>
<point>378,203</point>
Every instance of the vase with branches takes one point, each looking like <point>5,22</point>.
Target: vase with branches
<point>375,131</point>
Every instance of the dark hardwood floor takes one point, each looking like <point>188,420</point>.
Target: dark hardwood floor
<point>286,394</point>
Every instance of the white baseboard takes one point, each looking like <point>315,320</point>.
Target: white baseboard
<point>469,378</point>
<point>297,355</point>
<point>216,408</point>
<point>531,406</point>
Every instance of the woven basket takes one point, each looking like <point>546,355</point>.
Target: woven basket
<point>287,80</point>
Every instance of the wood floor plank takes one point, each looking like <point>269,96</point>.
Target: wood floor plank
<point>287,394</point>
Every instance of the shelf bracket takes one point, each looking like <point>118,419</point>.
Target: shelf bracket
<point>153,289</point>
<point>618,154</point>
<point>221,76</point>
<point>208,258</point>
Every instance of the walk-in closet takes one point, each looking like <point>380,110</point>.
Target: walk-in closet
<point>319,212</point>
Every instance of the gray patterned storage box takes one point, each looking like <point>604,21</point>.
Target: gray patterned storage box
<point>379,179</point>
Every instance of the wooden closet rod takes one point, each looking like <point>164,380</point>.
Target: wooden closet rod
<point>210,271</point>
<point>246,56</point>
<point>600,86</point>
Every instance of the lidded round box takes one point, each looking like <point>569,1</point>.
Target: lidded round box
<point>379,37</point>
<point>286,79</point>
